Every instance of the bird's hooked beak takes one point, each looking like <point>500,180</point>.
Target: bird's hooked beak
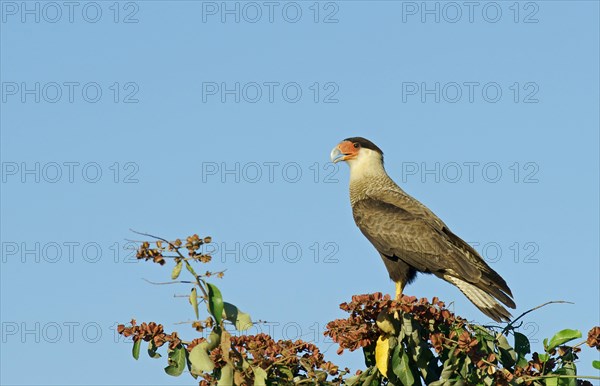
<point>337,155</point>
<point>343,151</point>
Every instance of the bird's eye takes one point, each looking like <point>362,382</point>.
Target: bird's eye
<point>356,145</point>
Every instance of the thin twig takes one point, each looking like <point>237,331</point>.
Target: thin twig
<point>509,325</point>
<point>533,378</point>
<point>170,282</point>
<point>174,247</point>
<point>161,239</point>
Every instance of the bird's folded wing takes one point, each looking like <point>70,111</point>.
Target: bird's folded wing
<point>400,199</point>
<point>397,232</point>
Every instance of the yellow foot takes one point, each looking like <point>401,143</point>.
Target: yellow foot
<point>382,350</point>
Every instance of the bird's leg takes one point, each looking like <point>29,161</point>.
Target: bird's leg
<point>399,288</point>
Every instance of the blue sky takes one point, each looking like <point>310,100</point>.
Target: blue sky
<point>175,118</point>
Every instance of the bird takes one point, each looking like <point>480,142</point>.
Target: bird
<point>410,238</point>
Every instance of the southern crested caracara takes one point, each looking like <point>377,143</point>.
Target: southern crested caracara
<point>410,238</point>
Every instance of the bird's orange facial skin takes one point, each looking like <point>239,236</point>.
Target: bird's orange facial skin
<point>347,148</point>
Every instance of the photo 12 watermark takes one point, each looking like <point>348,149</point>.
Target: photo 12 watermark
<point>308,331</point>
<point>120,252</point>
<point>70,12</point>
<point>254,172</point>
<point>270,12</point>
<point>272,252</point>
<point>518,252</point>
<point>68,252</point>
<point>489,92</point>
<point>38,332</point>
<point>71,172</point>
<point>56,92</point>
<point>453,172</point>
<point>255,92</point>
<point>470,12</point>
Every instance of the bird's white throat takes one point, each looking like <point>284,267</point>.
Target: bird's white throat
<point>367,164</point>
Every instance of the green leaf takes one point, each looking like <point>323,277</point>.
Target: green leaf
<point>464,369</point>
<point>449,368</point>
<point>189,267</point>
<point>215,302</point>
<point>241,320</point>
<point>136,349</point>
<point>442,382</point>
<point>226,378</point>
<point>287,373</point>
<point>200,359</point>
<point>522,346</point>
<point>422,361</point>
<point>486,339</point>
<point>371,377</point>
<point>596,364</point>
<point>522,362</point>
<point>562,337</point>
<point>386,322</point>
<point>394,360</point>
<point>508,356</point>
<point>568,368</point>
<point>369,354</point>
<point>176,270</point>
<point>260,376</point>
<point>351,381</point>
<point>431,371</point>
<point>194,301</point>
<point>488,381</point>
<point>177,361</point>
<point>543,357</point>
<point>214,339</point>
<point>402,367</point>
<point>552,381</point>
<point>152,350</point>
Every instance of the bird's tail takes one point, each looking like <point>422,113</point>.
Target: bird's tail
<point>482,300</point>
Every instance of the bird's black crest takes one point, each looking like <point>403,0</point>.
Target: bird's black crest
<point>363,142</point>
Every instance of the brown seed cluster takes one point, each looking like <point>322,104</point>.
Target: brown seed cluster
<point>593,339</point>
<point>149,331</point>
<point>448,334</point>
<point>147,253</point>
<point>193,244</point>
<point>466,342</point>
<point>360,328</point>
<point>284,359</point>
<point>200,325</point>
<point>157,254</point>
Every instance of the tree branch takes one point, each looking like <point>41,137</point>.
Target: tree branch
<point>509,325</point>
